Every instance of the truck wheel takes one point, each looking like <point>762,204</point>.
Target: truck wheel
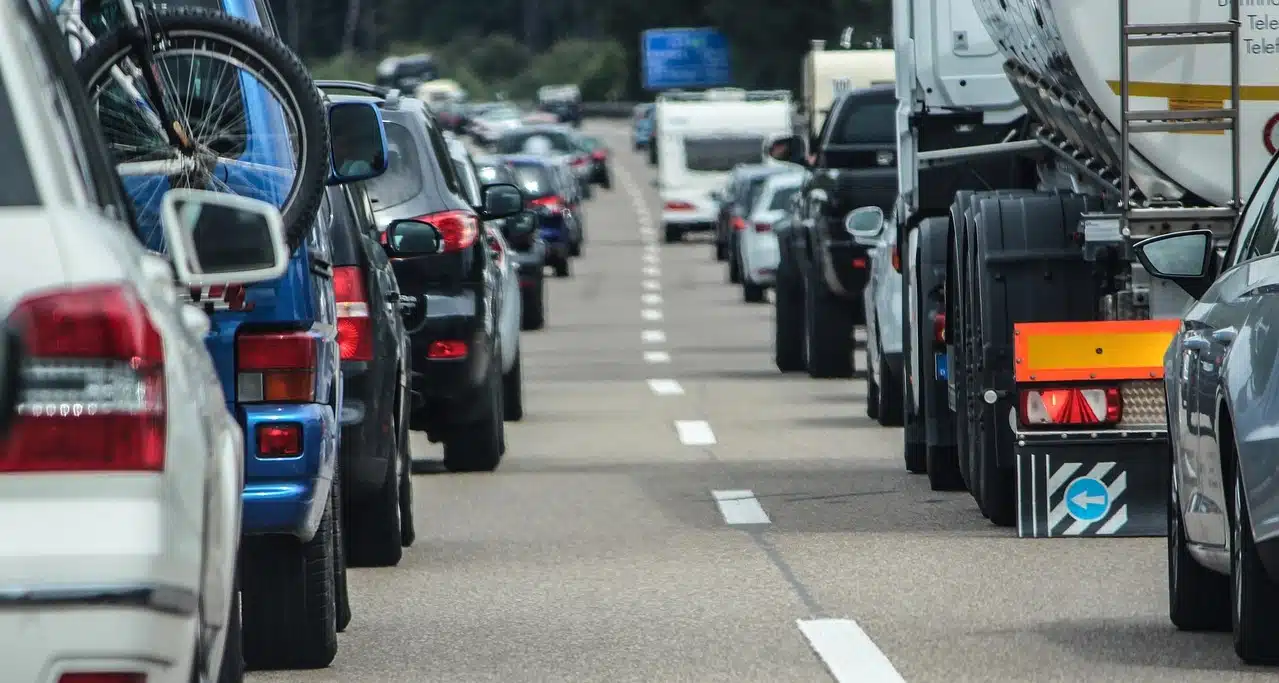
<point>941,455</point>
<point>1254,596</point>
<point>477,446</point>
<point>671,233</point>
<point>788,319</point>
<point>1198,598</point>
<point>289,607</point>
<point>753,293</point>
<point>828,334</point>
<point>533,307</point>
<point>374,538</point>
<point>513,392</point>
<point>892,403</point>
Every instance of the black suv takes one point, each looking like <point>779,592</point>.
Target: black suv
<point>376,489</point>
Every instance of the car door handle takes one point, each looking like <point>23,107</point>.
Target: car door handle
<point>1225,335</point>
<point>1195,344</point>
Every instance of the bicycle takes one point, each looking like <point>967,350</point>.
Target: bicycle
<point>194,98</point>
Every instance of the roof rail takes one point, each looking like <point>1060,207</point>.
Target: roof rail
<point>356,86</point>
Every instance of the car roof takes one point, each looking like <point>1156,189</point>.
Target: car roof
<point>530,159</point>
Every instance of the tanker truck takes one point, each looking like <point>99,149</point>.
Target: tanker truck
<point>1035,341</point>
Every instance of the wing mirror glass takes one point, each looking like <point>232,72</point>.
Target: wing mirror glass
<point>411,237</point>
<point>1185,258</point>
<point>865,225</point>
<point>357,142</point>
<point>500,200</point>
<point>216,238</point>
<point>791,148</point>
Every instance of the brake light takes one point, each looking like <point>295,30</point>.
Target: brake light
<point>939,328</point>
<point>459,228</point>
<point>276,367</point>
<point>551,203</point>
<point>102,677</point>
<point>599,155</point>
<point>447,349</point>
<point>355,327</point>
<point>896,259</point>
<point>95,397</point>
<point>763,227</point>
<point>1071,406</point>
<point>279,440</point>
<point>739,223</point>
<point>678,206</point>
<point>859,263</point>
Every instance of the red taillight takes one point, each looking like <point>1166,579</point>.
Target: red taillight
<point>459,229</point>
<point>939,328</point>
<point>551,203</point>
<point>599,155</point>
<point>277,367</point>
<point>1070,406</point>
<point>678,206</point>
<point>859,263</point>
<point>279,440</point>
<point>896,259</point>
<point>763,227</point>
<point>94,398</point>
<point>446,350</point>
<point>355,327</point>
<point>102,677</point>
<point>738,223</point>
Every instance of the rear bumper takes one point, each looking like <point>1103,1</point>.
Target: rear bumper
<point>288,495</point>
<point>367,421</point>
<point>448,384</point>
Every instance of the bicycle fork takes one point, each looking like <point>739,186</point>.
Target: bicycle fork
<point>144,46</point>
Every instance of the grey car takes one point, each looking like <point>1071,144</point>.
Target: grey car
<point>733,202</point>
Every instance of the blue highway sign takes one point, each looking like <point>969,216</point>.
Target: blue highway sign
<point>1087,499</point>
<point>684,58</point>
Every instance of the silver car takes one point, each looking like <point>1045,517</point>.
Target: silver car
<point>882,299</point>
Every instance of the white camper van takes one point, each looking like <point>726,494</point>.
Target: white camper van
<point>831,73</point>
<point>701,137</point>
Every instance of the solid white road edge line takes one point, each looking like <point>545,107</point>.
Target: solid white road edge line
<point>695,432</point>
<point>651,314</point>
<point>740,507</point>
<point>848,652</point>
<point>653,336</point>
<point>665,387</point>
<point>657,357</point>
<point>651,299</point>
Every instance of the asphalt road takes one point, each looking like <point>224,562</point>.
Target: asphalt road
<point>728,524</point>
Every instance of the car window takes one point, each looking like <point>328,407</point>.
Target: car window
<point>1258,210</point>
<point>468,181</point>
<point>441,150</point>
<point>403,178</point>
<point>865,123</point>
<point>1266,232</point>
<point>513,143</point>
<point>535,181</point>
<point>783,197</point>
<point>721,154</point>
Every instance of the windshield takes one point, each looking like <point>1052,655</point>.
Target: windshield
<point>873,123</point>
<point>403,178</point>
<point>535,181</point>
<point>721,154</point>
<point>514,143</point>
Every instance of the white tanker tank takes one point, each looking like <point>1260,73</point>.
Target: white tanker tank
<point>1064,59</point>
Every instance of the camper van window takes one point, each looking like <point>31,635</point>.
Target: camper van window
<point>721,154</point>
<point>868,123</point>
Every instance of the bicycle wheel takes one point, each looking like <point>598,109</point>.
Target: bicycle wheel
<point>252,118</point>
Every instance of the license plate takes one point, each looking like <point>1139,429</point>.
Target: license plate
<point>941,366</point>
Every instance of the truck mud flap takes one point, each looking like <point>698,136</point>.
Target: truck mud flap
<point>1082,485</point>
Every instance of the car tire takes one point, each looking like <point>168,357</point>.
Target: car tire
<point>916,457</point>
<point>408,530</point>
<point>341,595</point>
<point>872,397</point>
<point>734,268</point>
<point>753,293</point>
<point>788,319</point>
<point>1254,597</point>
<point>561,268</point>
<point>477,446</point>
<point>289,602</point>
<point>828,335</point>
<point>513,392</point>
<point>375,534</point>
<point>892,403</point>
<point>606,181</point>
<point>575,248</point>
<point>533,307</point>
<point>1198,598</point>
<point>721,251</point>
<point>232,668</point>
<point>672,234</point>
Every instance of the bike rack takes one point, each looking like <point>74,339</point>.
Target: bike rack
<point>356,86</point>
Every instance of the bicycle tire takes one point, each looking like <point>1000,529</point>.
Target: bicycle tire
<point>283,67</point>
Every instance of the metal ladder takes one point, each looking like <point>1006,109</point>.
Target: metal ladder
<point>1167,120</point>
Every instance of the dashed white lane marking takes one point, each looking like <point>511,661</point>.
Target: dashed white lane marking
<point>650,258</point>
<point>652,271</point>
<point>665,387</point>
<point>740,507</point>
<point>651,314</point>
<point>695,432</point>
<point>657,357</point>
<point>651,285</point>
<point>653,336</point>
<point>848,652</point>
<point>651,299</point>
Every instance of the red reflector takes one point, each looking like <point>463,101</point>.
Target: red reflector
<point>896,259</point>
<point>678,206</point>
<point>763,227</point>
<point>738,223</point>
<point>443,350</point>
<point>859,263</point>
<point>459,228</point>
<point>1071,406</point>
<point>939,327</point>
<point>355,328</point>
<point>103,677</point>
<point>95,395</point>
<point>279,440</point>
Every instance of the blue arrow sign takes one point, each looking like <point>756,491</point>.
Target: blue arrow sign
<point>1087,499</point>
<point>684,58</point>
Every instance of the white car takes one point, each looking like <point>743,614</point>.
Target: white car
<point>492,124</point>
<point>121,472</point>
<point>758,252</point>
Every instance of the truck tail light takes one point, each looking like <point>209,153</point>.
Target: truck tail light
<point>1071,406</point>
<point>355,327</point>
<point>94,398</point>
<point>939,328</point>
<point>276,367</point>
<point>763,227</point>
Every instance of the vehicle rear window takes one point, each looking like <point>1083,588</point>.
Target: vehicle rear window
<point>721,154</point>
<point>513,143</point>
<point>782,198</point>
<point>535,181</point>
<point>17,187</point>
<point>870,123</point>
<point>403,178</point>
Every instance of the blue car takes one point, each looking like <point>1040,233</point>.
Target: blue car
<point>642,126</point>
<point>549,196</point>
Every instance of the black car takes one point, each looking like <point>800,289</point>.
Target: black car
<point>530,250</point>
<point>550,195</point>
<point>375,460</point>
<point>446,298</point>
<point>407,72</point>
<point>600,173</point>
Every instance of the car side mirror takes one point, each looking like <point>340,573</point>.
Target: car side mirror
<point>500,200</point>
<point>411,237</point>
<point>12,355</point>
<point>865,225</point>
<point>521,224</point>
<point>786,147</point>
<point>1186,259</point>
<point>216,238</point>
<point>357,142</point>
